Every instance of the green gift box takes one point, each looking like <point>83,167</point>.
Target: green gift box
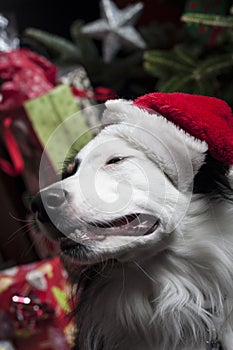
<point>58,123</point>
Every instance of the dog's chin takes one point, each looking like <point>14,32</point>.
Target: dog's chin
<point>98,241</point>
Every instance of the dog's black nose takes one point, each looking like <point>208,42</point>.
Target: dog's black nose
<point>54,198</point>
<point>47,202</point>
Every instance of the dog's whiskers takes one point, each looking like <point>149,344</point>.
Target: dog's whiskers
<point>144,272</point>
<point>123,279</point>
<point>21,220</point>
<point>26,251</point>
<point>20,230</point>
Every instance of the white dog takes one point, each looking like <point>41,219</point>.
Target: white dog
<point>144,213</point>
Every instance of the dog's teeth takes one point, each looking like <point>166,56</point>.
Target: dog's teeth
<point>141,225</point>
<point>61,239</point>
<point>85,236</point>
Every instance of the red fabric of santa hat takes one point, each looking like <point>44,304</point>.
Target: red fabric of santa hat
<point>206,118</point>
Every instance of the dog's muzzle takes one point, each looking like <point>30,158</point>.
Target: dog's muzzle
<point>48,203</point>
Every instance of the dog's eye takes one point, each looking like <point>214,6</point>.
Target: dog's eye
<point>115,160</point>
<point>70,168</point>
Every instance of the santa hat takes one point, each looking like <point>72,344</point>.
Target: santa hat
<point>205,118</point>
<point>201,122</point>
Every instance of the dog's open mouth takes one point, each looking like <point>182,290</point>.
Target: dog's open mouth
<point>129,225</point>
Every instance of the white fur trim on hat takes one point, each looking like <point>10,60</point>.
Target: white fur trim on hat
<point>174,150</point>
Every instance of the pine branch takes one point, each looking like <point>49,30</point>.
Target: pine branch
<point>214,66</point>
<point>206,19</point>
<point>163,63</point>
<point>61,46</point>
<point>87,46</point>
<point>176,83</point>
<point>184,55</point>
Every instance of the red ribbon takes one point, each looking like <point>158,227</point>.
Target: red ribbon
<point>99,94</point>
<point>17,165</point>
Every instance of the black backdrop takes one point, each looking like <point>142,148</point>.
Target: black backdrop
<point>50,15</point>
<point>56,16</point>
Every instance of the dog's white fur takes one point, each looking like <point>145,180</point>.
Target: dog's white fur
<point>173,288</point>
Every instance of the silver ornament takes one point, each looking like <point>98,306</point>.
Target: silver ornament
<point>115,28</point>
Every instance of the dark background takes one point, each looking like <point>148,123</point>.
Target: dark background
<point>56,17</point>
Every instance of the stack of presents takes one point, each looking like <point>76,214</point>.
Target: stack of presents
<point>35,100</point>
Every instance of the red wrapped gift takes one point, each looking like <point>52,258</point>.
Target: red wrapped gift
<point>25,75</point>
<point>35,299</point>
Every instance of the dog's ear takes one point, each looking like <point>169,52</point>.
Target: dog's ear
<point>178,154</point>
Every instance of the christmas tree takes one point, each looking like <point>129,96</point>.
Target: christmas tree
<point>203,63</point>
<point>194,58</point>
